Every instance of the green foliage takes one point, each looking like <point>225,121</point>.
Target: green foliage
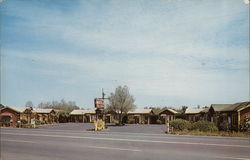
<point>204,126</point>
<point>38,122</point>
<point>223,126</point>
<point>43,122</point>
<point>27,126</point>
<point>24,121</point>
<point>121,101</point>
<point>221,133</point>
<point>245,125</point>
<point>64,116</point>
<point>5,124</point>
<point>180,124</point>
<point>158,121</point>
<point>144,122</point>
<point>62,105</point>
<point>131,121</point>
<point>114,121</point>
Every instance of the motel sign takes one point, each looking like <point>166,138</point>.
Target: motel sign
<point>99,103</point>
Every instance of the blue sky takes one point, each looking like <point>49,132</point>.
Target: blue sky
<point>169,53</point>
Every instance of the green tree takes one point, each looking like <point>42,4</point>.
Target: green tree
<point>121,102</point>
<point>29,104</point>
<point>62,107</point>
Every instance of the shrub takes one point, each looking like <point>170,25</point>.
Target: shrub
<point>224,126</point>
<point>64,116</point>
<point>180,124</point>
<point>39,122</point>
<point>27,126</point>
<point>5,124</point>
<point>43,122</point>
<point>158,121</point>
<point>24,121</point>
<point>115,121</point>
<point>131,121</point>
<point>204,126</point>
<point>144,122</point>
<point>245,124</point>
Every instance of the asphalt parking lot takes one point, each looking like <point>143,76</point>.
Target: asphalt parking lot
<point>132,128</point>
<point>73,141</point>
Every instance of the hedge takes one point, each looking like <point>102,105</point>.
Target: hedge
<point>204,126</point>
<point>184,125</point>
<point>180,124</point>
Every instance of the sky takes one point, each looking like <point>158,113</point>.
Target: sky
<point>169,53</point>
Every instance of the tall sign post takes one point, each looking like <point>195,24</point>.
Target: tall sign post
<point>99,105</point>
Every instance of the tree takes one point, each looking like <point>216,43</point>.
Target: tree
<point>63,108</point>
<point>183,109</point>
<point>29,104</point>
<point>121,102</point>
<point>62,105</point>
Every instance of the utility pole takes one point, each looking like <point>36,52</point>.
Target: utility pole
<point>103,94</point>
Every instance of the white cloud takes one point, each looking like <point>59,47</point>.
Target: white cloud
<point>163,51</point>
<point>150,77</point>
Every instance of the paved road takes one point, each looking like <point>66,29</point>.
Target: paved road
<point>57,143</point>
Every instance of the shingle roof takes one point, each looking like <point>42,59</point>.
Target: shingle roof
<point>89,111</point>
<point>82,111</point>
<point>193,110</point>
<point>41,110</point>
<point>21,109</point>
<point>12,108</point>
<point>77,112</point>
<point>170,110</point>
<point>220,107</point>
<point>205,110</point>
<point>140,111</point>
<point>236,106</point>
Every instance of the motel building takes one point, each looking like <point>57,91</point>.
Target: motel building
<point>193,114</point>
<point>9,116</point>
<point>83,115</point>
<point>139,116</point>
<point>168,114</point>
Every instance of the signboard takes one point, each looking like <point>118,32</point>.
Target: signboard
<point>99,103</point>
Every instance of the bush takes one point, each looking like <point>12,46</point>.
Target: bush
<point>221,133</point>
<point>64,116</point>
<point>43,122</point>
<point>38,122</point>
<point>24,121</point>
<point>144,122</point>
<point>224,126</point>
<point>204,126</point>
<point>5,124</point>
<point>180,124</point>
<point>131,121</point>
<point>27,126</point>
<point>115,121</point>
<point>158,121</point>
<point>245,125</point>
